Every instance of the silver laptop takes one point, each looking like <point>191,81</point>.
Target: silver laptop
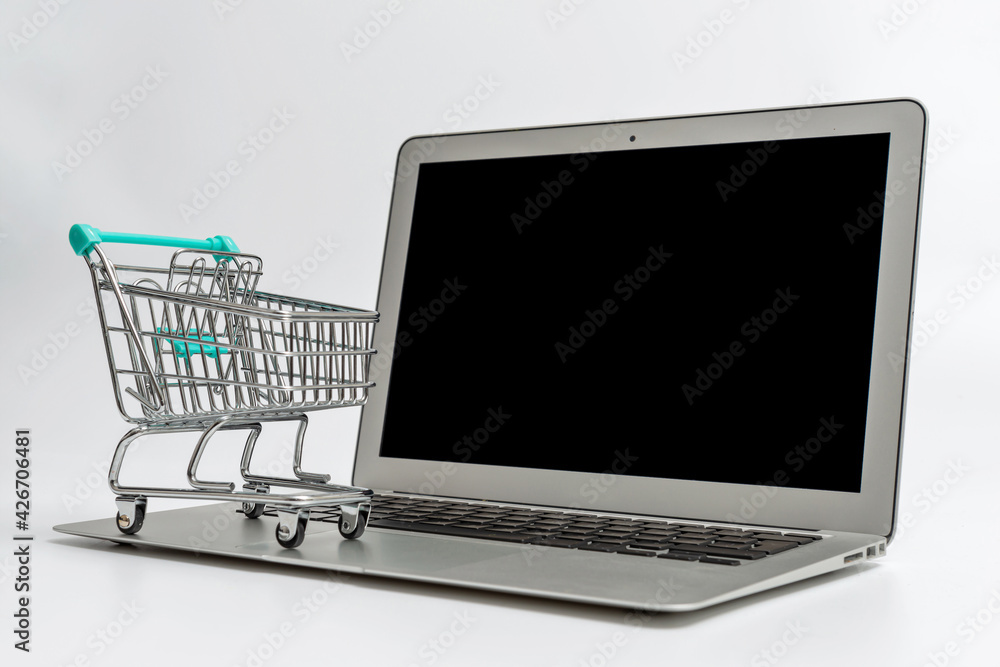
<point>653,364</point>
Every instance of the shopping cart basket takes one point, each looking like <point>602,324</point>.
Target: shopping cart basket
<point>195,347</point>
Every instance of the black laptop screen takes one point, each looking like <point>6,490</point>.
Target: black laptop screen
<point>700,313</point>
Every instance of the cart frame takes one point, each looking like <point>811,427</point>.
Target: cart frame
<point>263,358</point>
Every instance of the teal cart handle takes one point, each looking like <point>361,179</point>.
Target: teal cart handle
<point>84,237</point>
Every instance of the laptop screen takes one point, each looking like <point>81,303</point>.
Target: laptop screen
<point>698,313</point>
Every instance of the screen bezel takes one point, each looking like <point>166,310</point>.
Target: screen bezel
<point>872,510</point>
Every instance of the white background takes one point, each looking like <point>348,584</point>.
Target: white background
<point>322,181</point>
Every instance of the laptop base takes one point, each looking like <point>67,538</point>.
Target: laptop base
<point>631,582</point>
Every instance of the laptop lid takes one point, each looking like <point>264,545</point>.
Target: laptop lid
<point>702,317</point>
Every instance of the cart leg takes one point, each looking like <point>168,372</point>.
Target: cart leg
<point>252,510</point>
<point>196,459</point>
<point>354,520</point>
<point>119,457</point>
<point>291,528</point>
<point>300,438</point>
<point>248,450</point>
<point>199,486</point>
<point>255,510</point>
<point>131,513</point>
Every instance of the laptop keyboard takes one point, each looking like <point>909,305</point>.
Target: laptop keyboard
<point>678,540</point>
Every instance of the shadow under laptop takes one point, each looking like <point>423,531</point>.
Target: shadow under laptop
<point>630,618</point>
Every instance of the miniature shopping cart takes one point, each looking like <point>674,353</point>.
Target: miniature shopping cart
<point>195,348</point>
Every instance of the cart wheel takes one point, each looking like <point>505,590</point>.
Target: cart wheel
<point>354,520</point>
<point>254,510</point>
<point>131,513</point>
<point>297,523</point>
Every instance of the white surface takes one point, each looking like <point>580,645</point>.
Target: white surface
<point>323,177</point>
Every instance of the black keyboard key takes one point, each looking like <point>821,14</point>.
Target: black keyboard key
<point>719,561</point>
<point>508,537</point>
<point>599,546</point>
<point>560,542</point>
<point>659,532</point>
<point>728,532</point>
<point>578,537</point>
<point>732,545</point>
<point>744,554</point>
<point>785,538</point>
<point>539,533</point>
<point>688,540</point>
<point>645,544</point>
<point>677,555</point>
<point>773,546</point>
<point>596,539</point>
<point>614,530</point>
<point>735,540</point>
<point>635,552</point>
<point>647,525</point>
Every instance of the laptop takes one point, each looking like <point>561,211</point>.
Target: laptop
<point>655,364</point>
